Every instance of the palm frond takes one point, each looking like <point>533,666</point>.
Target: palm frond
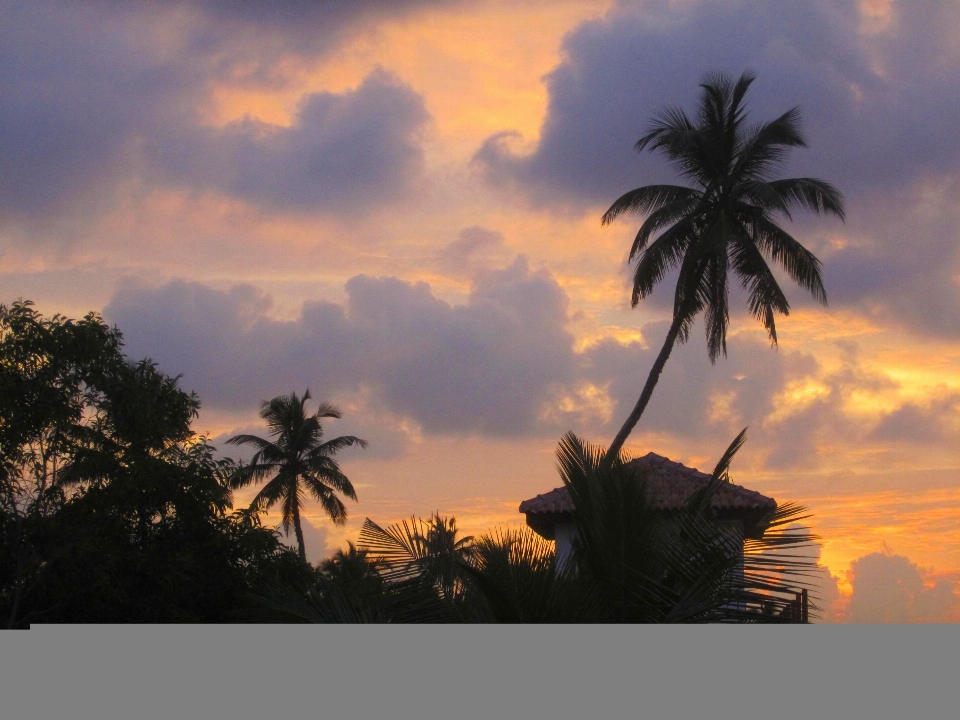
<point>764,294</point>
<point>269,495</point>
<point>714,290</point>
<point>768,145</point>
<point>334,507</point>
<point>722,469</point>
<point>515,575</point>
<point>646,199</point>
<point>326,410</point>
<point>660,257</point>
<point>331,447</point>
<point>400,548</point>
<point>658,220</point>
<point>258,442</point>
<point>325,472</point>
<point>738,94</point>
<point>246,474</point>
<point>689,296</point>
<point>811,194</point>
<point>803,267</point>
<point>325,480</point>
<point>759,198</point>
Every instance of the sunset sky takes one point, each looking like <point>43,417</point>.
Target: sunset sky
<point>398,206</point>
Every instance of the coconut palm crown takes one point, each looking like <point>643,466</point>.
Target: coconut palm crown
<point>725,223</point>
<point>296,460</point>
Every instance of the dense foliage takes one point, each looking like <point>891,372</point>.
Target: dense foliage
<point>631,563</point>
<point>111,508</point>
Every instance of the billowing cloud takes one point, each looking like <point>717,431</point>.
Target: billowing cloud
<point>889,588</point>
<point>931,423</point>
<point>877,98</point>
<point>470,251</point>
<point>822,585</point>
<point>877,86</point>
<point>344,151</point>
<point>95,100</point>
<point>505,363</point>
<point>901,262</point>
<point>78,87</point>
<point>886,588</point>
<point>693,398</point>
<point>485,366</point>
<point>819,413</point>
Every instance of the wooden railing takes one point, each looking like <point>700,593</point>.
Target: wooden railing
<point>798,609</point>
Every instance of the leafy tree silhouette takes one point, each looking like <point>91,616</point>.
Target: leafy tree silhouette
<point>111,508</point>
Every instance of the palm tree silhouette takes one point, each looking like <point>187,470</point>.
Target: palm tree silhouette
<point>296,456</point>
<point>727,220</point>
<point>631,562</point>
<point>429,549</point>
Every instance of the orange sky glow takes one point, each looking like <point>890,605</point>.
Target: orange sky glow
<point>856,414</point>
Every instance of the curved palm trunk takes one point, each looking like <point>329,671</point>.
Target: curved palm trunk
<point>651,383</point>
<point>298,530</point>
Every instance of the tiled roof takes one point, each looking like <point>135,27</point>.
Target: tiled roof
<point>670,484</point>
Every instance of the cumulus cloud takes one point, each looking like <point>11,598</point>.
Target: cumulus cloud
<point>910,282</point>
<point>933,422</point>
<point>485,366</point>
<point>823,586</point>
<point>876,103</point>
<point>693,398</point>
<point>886,588</point>
<point>94,98</point>
<point>889,588</point>
<point>471,251</point>
<point>77,87</point>
<point>343,151</point>
<point>502,363</point>
<point>877,95</point>
<point>821,412</point>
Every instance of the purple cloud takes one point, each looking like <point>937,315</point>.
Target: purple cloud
<point>486,366</point>
<point>891,589</point>
<point>95,96</point>
<point>344,152</point>
<point>878,106</point>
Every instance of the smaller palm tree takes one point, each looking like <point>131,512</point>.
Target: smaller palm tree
<point>296,459</point>
<point>428,549</point>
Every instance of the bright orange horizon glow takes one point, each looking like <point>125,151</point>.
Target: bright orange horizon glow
<point>856,413</point>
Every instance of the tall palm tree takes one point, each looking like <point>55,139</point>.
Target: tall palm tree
<point>727,220</point>
<point>296,459</point>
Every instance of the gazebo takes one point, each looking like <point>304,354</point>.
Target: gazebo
<point>745,512</point>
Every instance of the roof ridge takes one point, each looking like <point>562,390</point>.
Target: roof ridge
<point>673,482</point>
